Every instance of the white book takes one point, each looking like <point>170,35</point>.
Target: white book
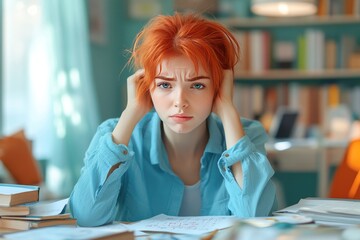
<point>256,51</point>
<point>326,210</point>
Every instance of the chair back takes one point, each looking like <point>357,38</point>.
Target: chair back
<point>346,180</point>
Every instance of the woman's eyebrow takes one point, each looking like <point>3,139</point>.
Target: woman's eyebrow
<point>189,80</point>
<point>197,78</point>
<point>165,78</point>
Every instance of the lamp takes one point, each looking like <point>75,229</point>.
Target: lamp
<point>283,8</point>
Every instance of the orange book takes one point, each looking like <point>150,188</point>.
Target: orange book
<point>349,6</point>
<point>323,8</point>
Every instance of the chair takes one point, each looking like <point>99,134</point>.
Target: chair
<point>346,180</point>
<point>17,157</point>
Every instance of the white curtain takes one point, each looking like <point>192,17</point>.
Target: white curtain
<point>47,84</point>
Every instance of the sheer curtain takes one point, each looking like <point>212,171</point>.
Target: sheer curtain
<point>47,85</point>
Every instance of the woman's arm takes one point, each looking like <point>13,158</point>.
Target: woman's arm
<point>94,200</point>
<point>225,109</point>
<point>136,109</point>
<point>244,165</point>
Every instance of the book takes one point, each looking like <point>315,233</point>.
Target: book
<point>30,224</point>
<point>19,210</point>
<point>65,232</point>
<point>38,218</point>
<point>15,194</point>
<point>326,210</point>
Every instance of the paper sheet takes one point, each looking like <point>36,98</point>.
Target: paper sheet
<point>183,225</point>
<point>68,232</point>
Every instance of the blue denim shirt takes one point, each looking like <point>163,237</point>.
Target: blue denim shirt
<point>144,185</point>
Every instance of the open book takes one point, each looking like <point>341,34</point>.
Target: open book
<point>326,210</point>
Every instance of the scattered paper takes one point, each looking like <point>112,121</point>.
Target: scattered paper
<point>183,225</point>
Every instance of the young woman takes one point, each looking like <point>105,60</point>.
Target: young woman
<point>192,154</point>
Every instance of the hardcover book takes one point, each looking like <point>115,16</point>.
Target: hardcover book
<point>15,194</point>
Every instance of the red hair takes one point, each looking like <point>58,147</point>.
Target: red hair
<point>204,42</point>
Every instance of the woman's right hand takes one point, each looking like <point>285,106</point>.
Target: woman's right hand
<point>136,109</point>
<point>137,104</point>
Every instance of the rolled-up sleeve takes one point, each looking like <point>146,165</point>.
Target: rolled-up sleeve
<point>93,200</point>
<point>257,196</point>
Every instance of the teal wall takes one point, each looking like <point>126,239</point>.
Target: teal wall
<point>109,60</point>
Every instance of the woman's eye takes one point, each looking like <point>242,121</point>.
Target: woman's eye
<point>164,85</point>
<point>198,86</point>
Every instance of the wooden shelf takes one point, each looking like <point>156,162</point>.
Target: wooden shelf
<point>348,75</point>
<point>291,22</point>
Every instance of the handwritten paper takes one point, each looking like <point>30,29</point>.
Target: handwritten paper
<point>183,225</point>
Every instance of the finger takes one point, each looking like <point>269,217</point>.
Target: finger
<point>137,75</point>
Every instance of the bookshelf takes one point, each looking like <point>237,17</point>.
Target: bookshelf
<point>291,55</point>
<point>328,27</point>
<point>308,86</point>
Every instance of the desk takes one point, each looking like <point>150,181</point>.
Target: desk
<point>298,232</point>
<point>319,150</point>
<point>247,232</point>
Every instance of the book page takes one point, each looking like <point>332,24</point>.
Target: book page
<point>183,225</point>
<point>48,208</point>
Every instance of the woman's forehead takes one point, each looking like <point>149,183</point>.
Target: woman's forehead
<point>180,64</point>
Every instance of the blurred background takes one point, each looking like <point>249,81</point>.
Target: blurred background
<point>64,70</point>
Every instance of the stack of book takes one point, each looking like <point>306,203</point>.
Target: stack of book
<point>20,209</point>
<point>326,211</point>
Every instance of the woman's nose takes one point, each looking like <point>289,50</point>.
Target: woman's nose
<point>180,105</point>
<point>181,101</point>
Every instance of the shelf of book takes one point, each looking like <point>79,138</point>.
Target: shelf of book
<point>251,23</point>
<point>275,76</point>
<point>297,63</point>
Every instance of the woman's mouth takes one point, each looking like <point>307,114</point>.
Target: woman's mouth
<point>180,118</point>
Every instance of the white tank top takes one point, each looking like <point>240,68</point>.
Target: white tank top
<point>191,202</point>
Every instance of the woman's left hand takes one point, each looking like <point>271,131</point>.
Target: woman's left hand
<point>224,98</point>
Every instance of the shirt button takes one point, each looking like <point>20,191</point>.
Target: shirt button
<point>226,155</point>
<point>125,152</point>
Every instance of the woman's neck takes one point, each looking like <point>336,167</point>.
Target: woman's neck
<point>189,144</point>
<point>185,151</point>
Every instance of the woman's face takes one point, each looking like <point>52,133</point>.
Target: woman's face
<point>181,96</point>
